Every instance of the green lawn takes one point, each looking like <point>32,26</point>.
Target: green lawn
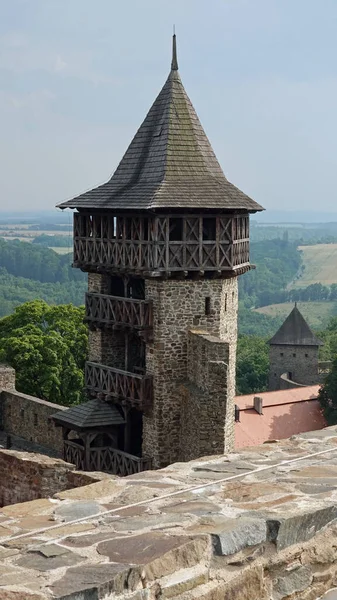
<point>316,313</point>
<point>320,265</point>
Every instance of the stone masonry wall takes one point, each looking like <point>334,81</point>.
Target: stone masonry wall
<point>26,476</point>
<point>229,333</point>
<point>300,361</point>
<point>287,384</point>
<point>29,418</point>
<point>97,284</point>
<point>105,346</point>
<point>179,306</point>
<point>204,397</point>
<point>7,378</point>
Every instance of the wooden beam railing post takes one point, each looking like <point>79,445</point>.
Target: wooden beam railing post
<point>114,310</point>
<point>136,390</point>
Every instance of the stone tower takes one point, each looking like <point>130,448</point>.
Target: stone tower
<point>294,352</point>
<point>163,242</point>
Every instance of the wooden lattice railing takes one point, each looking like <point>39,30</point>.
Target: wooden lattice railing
<point>74,453</point>
<point>116,311</point>
<point>115,384</point>
<point>125,243</point>
<point>111,460</point>
<point>107,459</point>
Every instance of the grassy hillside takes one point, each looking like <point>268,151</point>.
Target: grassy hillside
<point>316,313</point>
<point>319,262</point>
<point>60,250</point>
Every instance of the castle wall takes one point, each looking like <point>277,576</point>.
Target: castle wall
<point>179,305</point>
<point>105,347</point>
<point>29,417</point>
<point>97,284</point>
<point>26,476</point>
<point>204,397</point>
<point>7,378</point>
<point>300,361</point>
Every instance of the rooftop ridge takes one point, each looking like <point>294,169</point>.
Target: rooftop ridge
<point>174,63</point>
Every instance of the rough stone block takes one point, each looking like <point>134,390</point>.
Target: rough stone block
<point>293,529</point>
<point>289,582</point>
<point>238,534</point>
<point>40,562</point>
<point>86,583</point>
<point>76,510</point>
<point>158,555</point>
<point>248,585</point>
<point>183,581</point>
<point>12,595</point>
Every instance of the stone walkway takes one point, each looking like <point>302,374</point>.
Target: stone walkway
<point>256,524</point>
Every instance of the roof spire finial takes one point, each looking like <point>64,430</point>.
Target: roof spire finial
<point>174,63</point>
<point>295,304</point>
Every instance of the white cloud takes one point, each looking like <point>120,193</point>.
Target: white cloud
<point>60,64</point>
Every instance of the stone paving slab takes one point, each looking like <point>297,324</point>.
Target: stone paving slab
<point>246,523</point>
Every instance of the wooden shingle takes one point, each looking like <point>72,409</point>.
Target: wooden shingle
<point>295,331</point>
<point>89,415</point>
<point>169,164</point>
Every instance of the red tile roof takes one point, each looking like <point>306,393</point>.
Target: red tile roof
<point>285,413</point>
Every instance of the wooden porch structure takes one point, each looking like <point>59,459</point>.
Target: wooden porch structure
<point>99,428</point>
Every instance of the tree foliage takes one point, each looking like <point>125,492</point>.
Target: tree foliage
<point>328,391</point>
<point>36,262</point>
<point>277,262</point>
<point>55,241</point>
<point>47,346</point>
<point>30,271</point>
<point>252,365</point>
<point>328,395</point>
<point>16,290</point>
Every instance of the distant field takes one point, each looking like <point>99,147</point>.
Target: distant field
<point>316,313</point>
<point>320,262</point>
<point>60,250</point>
<point>28,233</point>
<point>17,237</point>
<point>30,236</point>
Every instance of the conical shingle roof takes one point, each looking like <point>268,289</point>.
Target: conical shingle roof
<point>169,164</point>
<point>295,331</point>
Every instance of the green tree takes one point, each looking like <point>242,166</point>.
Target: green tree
<point>252,365</point>
<point>47,346</point>
<point>328,395</point>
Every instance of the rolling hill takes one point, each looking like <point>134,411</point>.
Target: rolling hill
<point>316,313</point>
<point>319,265</point>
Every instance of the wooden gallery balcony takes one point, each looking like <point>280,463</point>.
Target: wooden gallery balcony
<point>161,244</point>
<point>130,389</point>
<point>116,312</point>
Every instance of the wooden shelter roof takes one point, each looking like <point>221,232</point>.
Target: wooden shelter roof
<point>169,164</point>
<point>89,415</point>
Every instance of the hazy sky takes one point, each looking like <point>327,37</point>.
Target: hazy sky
<point>78,76</point>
